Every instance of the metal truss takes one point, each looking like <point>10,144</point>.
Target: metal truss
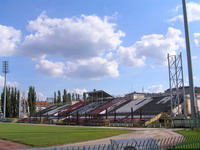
<point>176,82</point>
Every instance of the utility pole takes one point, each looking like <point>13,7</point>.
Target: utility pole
<point>5,70</point>
<point>189,61</point>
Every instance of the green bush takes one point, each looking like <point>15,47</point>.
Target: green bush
<point>6,119</point>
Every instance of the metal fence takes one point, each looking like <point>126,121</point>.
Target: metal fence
<point>181,142</point>
<point>186,123</point>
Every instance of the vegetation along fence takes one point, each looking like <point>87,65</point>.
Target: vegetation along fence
<point>181,142</point>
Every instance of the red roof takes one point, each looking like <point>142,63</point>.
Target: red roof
<point>43,103</point>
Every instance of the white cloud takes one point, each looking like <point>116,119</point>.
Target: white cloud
<point>193,12</point>
<point>94,68</point>
<point>154,47</point>
<point>155,89</point>
<point>41,96</point>
<point>176,18</point>
<point>72,38</point>
<point>127,56</point>
<point>9,84</point>
<point>196,79</point>
<point>9,38</point>
<point>176,9</point>
<point>197,39</point>
<point>55,69</point>
<point>78,91</point>
<point>194,57</point>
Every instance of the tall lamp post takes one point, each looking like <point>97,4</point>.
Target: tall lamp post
<point>5,70</point>
<point>189,62</point>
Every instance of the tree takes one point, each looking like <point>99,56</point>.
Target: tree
<point>84,96</point>
<point>78,96</point>
<point>65,96</point>
<point>59,97</point>
<point>73,97</point>
<point>55,98</point>
<point>32,100</point>
<point>12,101</point>
<point>8,103</point>
<point>69,98</point>
<point>17,102</point>
<point>2,100</point>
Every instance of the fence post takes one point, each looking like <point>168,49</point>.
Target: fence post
<point>40,117</point>
<point>106,114</point>
<point>140,117</point>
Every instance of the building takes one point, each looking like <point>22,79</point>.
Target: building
<point>135,95</point>
<point>40,105</point>
<point>50,99</point>
<point>98,95</point>
<point>187,98</point>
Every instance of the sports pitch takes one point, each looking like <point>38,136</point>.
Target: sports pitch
<point>46,135</point>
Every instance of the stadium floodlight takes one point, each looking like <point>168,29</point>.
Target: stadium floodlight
<point>189,62</point>
<point>5,70</point>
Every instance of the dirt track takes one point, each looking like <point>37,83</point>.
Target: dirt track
<point>156,133</point>
<point>7,145</point>
<point>137,133</point>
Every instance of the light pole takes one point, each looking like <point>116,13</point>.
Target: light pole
<point>189,61</point>
<point>5,70</point>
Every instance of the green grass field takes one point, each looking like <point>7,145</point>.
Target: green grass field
<point>192,140</point>
<point>189,132</point>
<point>46,135</point>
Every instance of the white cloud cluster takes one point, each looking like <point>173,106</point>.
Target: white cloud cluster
<point>73,38</point>
<point>197,39</point>
<point>78,91</point>
<point>193,12</point>
<point>9,84</point>
<point>155,89</point>
<point>82,42</point>
<point>9,38</point>
<point>94,68</point>
<point>154,46</point>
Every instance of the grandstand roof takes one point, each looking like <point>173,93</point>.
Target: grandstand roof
<point>197,90</point>
<point>99,94</point>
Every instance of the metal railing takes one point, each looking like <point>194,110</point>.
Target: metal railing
<point>186,123</point>
<point>181,142</point>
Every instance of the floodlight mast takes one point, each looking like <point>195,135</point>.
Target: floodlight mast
<point>5,70</point>
<point>189,62</point>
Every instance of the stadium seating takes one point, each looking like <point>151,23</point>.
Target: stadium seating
<point>147,107</point>
<point>156,106</point>
<point>88,108</point>
<point>45,111</point>
<point>135,104</point>
<point>73,107</point>
<point>57,109</point>
<point>121,109</point>
<point>111,105</point>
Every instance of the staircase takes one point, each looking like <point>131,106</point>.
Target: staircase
<point>155,118</point>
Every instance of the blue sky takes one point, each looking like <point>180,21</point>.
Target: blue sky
<point>117,46</point>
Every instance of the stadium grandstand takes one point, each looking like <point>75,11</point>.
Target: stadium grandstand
<point>101,108</point>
